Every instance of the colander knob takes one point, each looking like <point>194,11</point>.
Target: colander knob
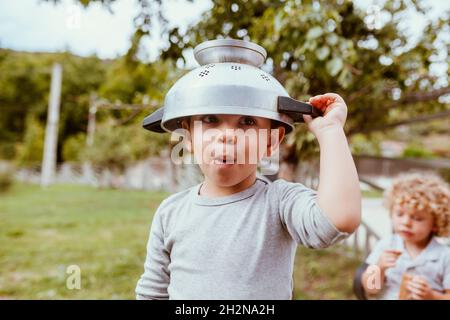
<point>230,50</point>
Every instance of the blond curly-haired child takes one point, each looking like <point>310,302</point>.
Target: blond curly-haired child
<point>411,264</point>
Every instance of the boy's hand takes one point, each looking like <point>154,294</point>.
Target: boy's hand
<point>334,109</point>
<point>420,289</point>
<point>388,259</point>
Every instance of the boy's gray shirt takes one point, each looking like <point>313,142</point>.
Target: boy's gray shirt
<point>240,246</point>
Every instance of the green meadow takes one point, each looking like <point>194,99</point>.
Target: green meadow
<point>104,233</point>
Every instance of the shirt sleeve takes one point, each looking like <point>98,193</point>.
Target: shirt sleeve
<point>303,218</point>
<point>153,283</point>
<point>446,280</point>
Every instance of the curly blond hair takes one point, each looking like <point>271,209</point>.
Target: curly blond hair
<point>425,192</point>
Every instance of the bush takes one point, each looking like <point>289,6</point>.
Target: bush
<point>30,151</point>
<point>445,174</point>
<point>115,147</point>
<point>74,147</point>
<point>416,151</point>
<point>365,145</point>
<point>7,150</point>
<point>6,180</point>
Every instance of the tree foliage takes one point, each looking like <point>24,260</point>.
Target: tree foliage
<point>332,46</point>
<point>367,56</point>
<point>115,147</point>
<point>24,91</point>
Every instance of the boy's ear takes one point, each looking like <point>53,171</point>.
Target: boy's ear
<point>185,124</point>
<point>275,138</point>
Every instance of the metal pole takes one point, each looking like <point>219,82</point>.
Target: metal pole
<point>91,120</point>
<point>51,130</point>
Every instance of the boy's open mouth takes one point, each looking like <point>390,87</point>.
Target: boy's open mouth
<point>224,159</point>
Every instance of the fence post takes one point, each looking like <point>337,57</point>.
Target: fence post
<point>51,130</point>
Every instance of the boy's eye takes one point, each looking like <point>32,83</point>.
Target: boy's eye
<point>248,121</point>
<point>209,119</point>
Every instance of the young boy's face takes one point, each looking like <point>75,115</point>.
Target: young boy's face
<point>412,225</point>
<point>228,148</point>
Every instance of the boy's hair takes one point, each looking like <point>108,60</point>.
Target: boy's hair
<point>425,192</point>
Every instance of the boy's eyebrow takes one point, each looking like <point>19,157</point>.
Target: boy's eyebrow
<point>418,213</point>
<point>247,117</point>
<point>258,120</point>
<point>200,116</point>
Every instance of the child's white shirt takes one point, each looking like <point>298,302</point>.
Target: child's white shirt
<point>433,263</point>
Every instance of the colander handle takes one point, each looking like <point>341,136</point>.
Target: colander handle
<point>296,109</point>
<point>152,122</point>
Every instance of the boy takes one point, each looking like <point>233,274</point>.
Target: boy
<point>419,208</point>
<point>234,236</point>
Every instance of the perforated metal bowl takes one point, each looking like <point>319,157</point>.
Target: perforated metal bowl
<point>228,81</point>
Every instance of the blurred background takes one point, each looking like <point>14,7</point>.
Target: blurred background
<point>79,184</point>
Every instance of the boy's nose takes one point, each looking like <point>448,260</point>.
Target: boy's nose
<point>407,220</point>
<point>228,137</point>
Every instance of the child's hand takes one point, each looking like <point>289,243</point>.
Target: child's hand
<point>388,259</point>
<point>334,109</point>
<point>419,289</point>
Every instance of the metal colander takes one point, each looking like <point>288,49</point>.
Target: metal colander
<point>228,81</point>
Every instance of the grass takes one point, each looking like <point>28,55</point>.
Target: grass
<point>42,232</point>
<point>324,274</point>
<point>104,232</point>
<point>372,193</point>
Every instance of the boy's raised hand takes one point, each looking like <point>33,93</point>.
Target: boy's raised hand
<point>334,109</point>
<point>388,259</point>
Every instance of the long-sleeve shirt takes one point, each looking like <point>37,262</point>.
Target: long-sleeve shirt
<point>240,246</point>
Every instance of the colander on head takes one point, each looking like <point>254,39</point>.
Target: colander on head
<point>228,81</point>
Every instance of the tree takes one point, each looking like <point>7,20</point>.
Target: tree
<point>317,47</point>
<point>24,90</point>
<point>333,46</point>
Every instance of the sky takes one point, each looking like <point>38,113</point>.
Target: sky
<point>36,25</point>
